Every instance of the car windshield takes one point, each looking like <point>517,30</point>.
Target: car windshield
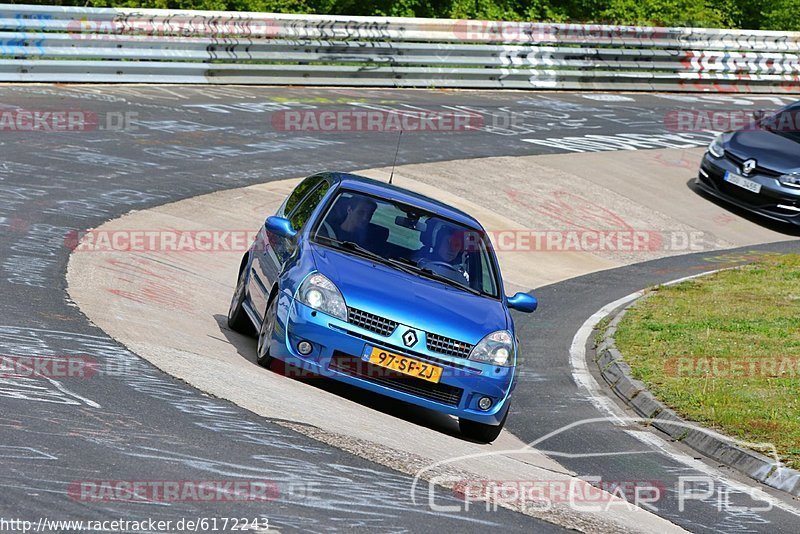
<point>785,122</point>
<point>409,239</point>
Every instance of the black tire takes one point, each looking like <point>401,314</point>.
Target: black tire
<point>479,431</point>
<point>265,332</point>
<point>238,320</point>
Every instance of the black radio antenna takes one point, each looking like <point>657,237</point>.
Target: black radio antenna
<point>400,136</point>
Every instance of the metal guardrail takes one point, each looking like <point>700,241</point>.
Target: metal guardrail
<point>69,44</point>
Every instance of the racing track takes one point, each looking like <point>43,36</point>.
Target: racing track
<point>114,426</point>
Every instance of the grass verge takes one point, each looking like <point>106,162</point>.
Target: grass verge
<point>724,350</point>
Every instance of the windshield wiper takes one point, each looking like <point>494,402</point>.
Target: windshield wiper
<point>406,261</point>
<point>449,281</point>
<point>352,245</point>
<point>436,276</point>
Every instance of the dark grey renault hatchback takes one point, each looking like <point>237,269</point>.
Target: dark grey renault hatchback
<point>758,168</point>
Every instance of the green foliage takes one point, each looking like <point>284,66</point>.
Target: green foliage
<point>666,13</point>
<point>782,15</point>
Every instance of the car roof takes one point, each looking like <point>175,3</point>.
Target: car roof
<point>406,196</point>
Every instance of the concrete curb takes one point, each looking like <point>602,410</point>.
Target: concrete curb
<point>635,395</point>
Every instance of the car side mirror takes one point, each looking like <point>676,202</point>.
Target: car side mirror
<point>523,302</point>
<point>280,226</point>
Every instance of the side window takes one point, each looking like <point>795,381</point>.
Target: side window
<point>299,192</point>
<point>301,214</point>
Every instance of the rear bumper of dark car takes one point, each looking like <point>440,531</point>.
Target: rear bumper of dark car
<point>774,201</point>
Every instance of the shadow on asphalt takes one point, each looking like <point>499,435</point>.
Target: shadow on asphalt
<point>246,347</point>
<point>776,226</point>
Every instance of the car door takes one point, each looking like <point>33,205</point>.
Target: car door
<point>273,250</point>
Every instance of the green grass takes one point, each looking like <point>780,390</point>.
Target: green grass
<point>724,350</point>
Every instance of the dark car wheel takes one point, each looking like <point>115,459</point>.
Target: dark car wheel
<point>479,431</point>
<point>237,317</point>
<point>265,332</point>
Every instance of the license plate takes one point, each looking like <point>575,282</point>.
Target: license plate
<point>405,365</point>
<point>743,182</point>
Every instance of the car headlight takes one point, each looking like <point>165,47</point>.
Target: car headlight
<point>792,179</point>
<point>715,147</point>
<point>497,348</point>
<point>319,293</point>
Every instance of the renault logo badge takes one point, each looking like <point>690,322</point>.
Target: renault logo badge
<point>748,166</point>
<point>410,338</point>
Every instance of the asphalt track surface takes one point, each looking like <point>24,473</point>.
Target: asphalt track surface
<point>132,422</point>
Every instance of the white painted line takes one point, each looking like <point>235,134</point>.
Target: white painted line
<point>580,369</point>
<point>72,394</point>
<point>66,391</point>
<point>24,453</point>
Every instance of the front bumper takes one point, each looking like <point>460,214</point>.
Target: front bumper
<point>340,351</point>
<point>774,201</point>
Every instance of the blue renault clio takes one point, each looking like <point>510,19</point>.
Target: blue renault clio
<point>387,290</point>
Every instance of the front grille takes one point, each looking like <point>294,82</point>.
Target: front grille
<point>446,345</point>
<point>415,354</point>
<point>354,366</point>
<point>369,321</point>
<point>758,170</point>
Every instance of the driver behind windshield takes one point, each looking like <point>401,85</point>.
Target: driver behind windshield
<point>447,256</point>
